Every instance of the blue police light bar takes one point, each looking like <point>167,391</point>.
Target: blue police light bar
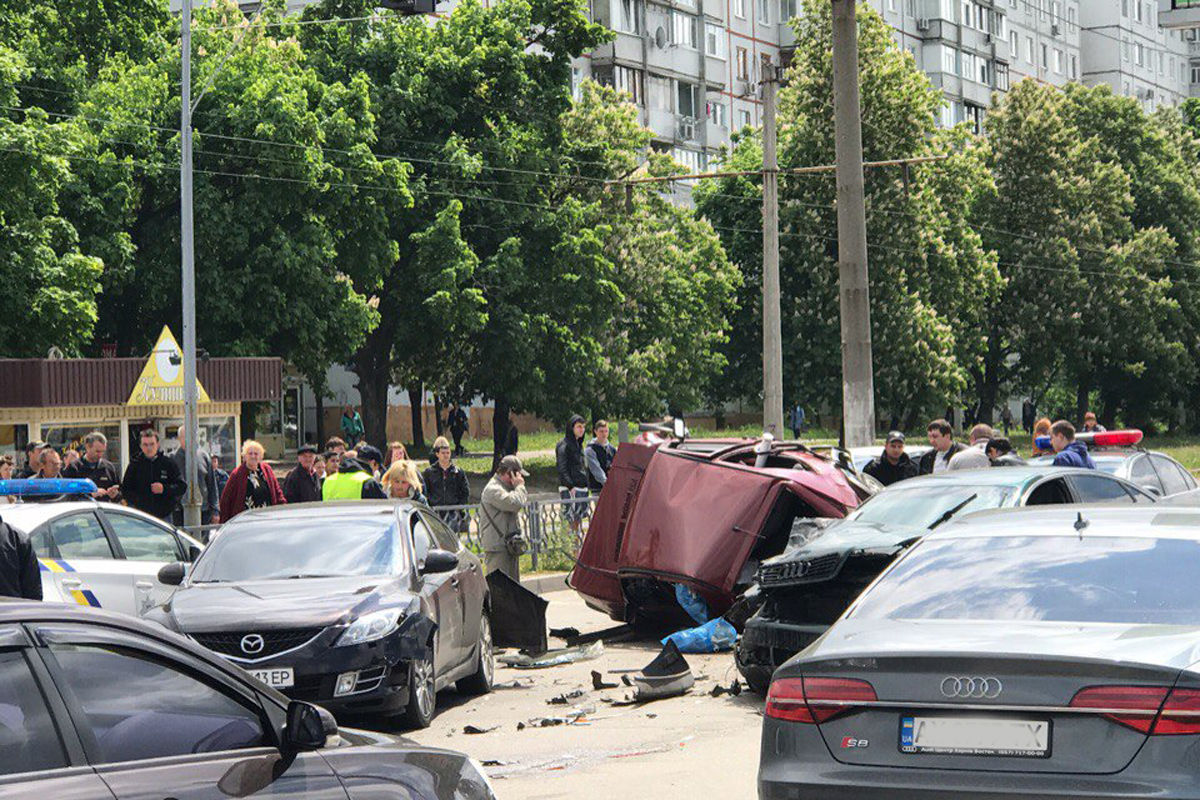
<point>41,487</point>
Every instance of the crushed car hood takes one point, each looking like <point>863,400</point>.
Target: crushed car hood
<point>824,553</point>
<point>300,603</point>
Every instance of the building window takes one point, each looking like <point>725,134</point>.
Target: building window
<point>1162,63</point>
<point>576,83</point>
<point>1045,56</point>
<point>658,92</point>
<point>1196,73</point>
<point>714,40</point>
<point>1029,50</point>
<point>1074,67</point>
<point>739,9</point>
<point>1139,54</point>
<point>693,160</point>
<point>949,60</point>
<point>632,81</point>
<point>1125,9</point>
<point>1137,9</point>
<point>1125,50</point>
<point>1058,61</point>
<point>625,16</point>
<point>742,63</point>
<point>683,29</point>
<point>1072,22</point>
<point>1014,43</point>
<point>744,118</point>
<point>1002,81</point>
<point>716,114</point>
<point>974,116</point>
<point>687,98</point>
<point>764,12</point>
<point>788,9</point>
<point>892,6</point>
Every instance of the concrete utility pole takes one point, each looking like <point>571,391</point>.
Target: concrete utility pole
<point>191,507</point>
<point>772,334</point>
<point>858,381</point>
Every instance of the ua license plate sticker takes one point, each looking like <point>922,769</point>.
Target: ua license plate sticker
<point>971,736</point>
<point>278,678</point>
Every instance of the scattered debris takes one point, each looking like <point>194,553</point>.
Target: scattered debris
<point>518,615</point>
<point>565,633</point>
<point>598,682</point>
<point>733,689</point>
<point>515,683</point>
<point>575,717</point>
<point>714,636</point>
<point>692,603</point>
<point>553,658</point>
<point>491,762</point>
<point>619,633</point>
<point>471,729</point>
<point>520,726</point>
<point>628,681</point>
<point>565,698</point>
<point>652,716</point>
<point>668,675</point>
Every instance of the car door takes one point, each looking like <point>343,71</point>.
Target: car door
<point>1100,488</point>
<point>76,549</point>
<point>1172,475</point>
<point>441,590</point>
<point>471,584</point>
<point>40,755</point>
<point>1048,493</point>
<point>156,723</point>
<point>1142,473</point>
<point>147,546</point>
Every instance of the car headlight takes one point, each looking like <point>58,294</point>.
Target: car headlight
<point>370,627</point>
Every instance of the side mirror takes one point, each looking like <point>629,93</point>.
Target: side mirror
<point>172,574</point>
<point>438,561</point>
<point>679,428</point>
<point>308,727</point>
<point>193,553</point>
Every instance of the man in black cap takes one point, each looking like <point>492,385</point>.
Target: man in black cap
<point>33,454</point>
<point>20,574</point>
<point>301,484</point>
<point>893,465</point>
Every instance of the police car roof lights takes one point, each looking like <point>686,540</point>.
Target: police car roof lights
<point>41,487</point>
<point>1126,438</point>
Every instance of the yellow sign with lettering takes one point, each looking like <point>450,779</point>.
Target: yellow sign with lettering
<point>161,381</point>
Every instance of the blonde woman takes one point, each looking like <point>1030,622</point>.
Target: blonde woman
<point>251,485</point>
<point>403,482</point>
<point>396,452</point>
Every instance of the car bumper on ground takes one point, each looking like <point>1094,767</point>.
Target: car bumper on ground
<point>795,763</point>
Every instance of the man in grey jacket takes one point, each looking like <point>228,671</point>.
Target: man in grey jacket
<point>503,499</point>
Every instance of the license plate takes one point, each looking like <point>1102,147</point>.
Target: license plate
<point>278,678</point>
<point>973,736</point>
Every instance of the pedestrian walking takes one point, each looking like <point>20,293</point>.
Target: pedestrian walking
<point>447,485</point>
<point>20,572</point>
<point>1028,416</point>
<point>1041,429</point>
<point>96,468</point>
<point>303,484</point>
<point>1006,419</point>
<point>796,420</point>
<point>941,439</point>
<point>893,464</point>
<point>500,506</point>
<point>221,479</point>
<point>8,466</point>
<point>457,422</point>
<point>572,472</point>
<point>1091,425</point>
<point>402,481</point>
<point>974,456</point>
<point>512,439</point>
<point>352,424</point>
<point>33,452</point>
<point>251,485</point>
<point>1069,453</point>
<point>599,456</point>
<point>352,481</point>
<point>153,483</point>
<point>209,499</point>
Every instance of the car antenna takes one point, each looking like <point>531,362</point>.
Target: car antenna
<point>1080,525</point>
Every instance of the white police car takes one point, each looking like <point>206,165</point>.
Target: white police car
<point>97,554</point>
<point>1118,453</point>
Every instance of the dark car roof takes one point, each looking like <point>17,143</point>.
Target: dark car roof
<point>1102,520</point>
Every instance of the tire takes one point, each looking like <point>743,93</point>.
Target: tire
<point>422,694</point>
<point>480,682</point>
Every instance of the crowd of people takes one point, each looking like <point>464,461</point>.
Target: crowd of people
<point>984,448</point>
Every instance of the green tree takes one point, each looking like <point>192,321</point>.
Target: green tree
<point>930,274</point>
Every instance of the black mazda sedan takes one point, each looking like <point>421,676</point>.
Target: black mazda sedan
<point>363,607</point>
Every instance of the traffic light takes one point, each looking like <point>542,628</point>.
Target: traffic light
<point>410,6</point>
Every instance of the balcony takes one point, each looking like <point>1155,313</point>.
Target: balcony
<point>1179,14</point>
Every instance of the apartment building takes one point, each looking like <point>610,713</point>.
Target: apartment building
<point>1125,47</point>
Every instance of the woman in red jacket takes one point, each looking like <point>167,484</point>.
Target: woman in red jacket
<point>251,485</point>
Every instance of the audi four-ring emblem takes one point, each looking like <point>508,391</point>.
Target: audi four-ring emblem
<point>971,688</point>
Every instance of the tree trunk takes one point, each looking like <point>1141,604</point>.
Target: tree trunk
<point>1083,390</point>
<point>372,365</point>
<point>320,420</point>
<point>500,423</point>
<point>416,402</point>
<point>437,414</point>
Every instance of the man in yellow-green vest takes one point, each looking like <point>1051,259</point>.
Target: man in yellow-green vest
<point>353,481</point>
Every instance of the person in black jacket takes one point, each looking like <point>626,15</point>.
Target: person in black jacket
<point>209,499</point>
<point>20,573</point>
<point>447,485</point>
<point>302,484</point>
<point>96,468</point>
<point>572,471</point>
<point>153,483</point>
<point>599,456</point>
<point>941,439</point>
<point>893,465</point>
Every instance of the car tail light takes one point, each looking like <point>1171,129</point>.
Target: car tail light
<point>815,700</point>
<point>1134,707</point>
<point>1180,715</point>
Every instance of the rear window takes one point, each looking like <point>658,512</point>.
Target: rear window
<point>1051,578</point>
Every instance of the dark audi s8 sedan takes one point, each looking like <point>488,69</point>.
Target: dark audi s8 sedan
<point>1014,654</point>
<point>363,607</point>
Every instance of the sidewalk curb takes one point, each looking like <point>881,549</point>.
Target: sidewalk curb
<point>543,584</point>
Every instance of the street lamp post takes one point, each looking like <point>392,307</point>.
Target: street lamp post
<point>191,507</point>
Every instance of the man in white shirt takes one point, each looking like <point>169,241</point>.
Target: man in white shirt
<point>975,456</point>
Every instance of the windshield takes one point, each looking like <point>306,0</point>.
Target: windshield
<point>922,506</point>
<point>1042,578</point>
<point>263,550</point>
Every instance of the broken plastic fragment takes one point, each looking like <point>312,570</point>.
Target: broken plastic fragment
<point>564,633</point>
<point>471,729</point>
<point>598,682</point>
<point>553,658</point>
<point>565,698</point>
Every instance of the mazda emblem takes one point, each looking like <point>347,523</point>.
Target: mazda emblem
<point>971,688</point>
<point>253,643</point>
